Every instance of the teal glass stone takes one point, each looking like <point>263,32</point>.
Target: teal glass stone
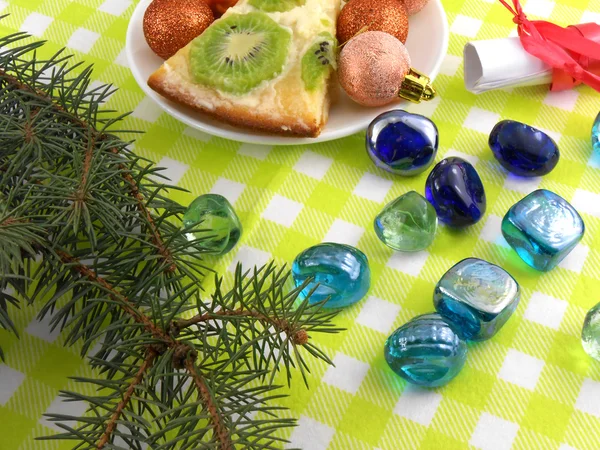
<point>214,222</point>
<point>596,134</point>
<point>543,229</point>
<point>426,351</point>
<point>407,224</point>
<point>476,298</point>
<point>590,333</point>
<point>339,274</point>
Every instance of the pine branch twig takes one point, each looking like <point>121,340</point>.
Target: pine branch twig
<point>85,217</point>
<point>95,136</point>
<point>299,337</point>
<point>219,426</point>
<point>123,302</point>
<point>112,423</point>
<point>141,204</point>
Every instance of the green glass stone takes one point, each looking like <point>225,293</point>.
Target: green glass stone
<point>590,334</point>
<point>408,224</point>
<point>214,222</point>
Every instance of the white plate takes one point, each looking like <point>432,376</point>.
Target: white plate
<point>427,44</point>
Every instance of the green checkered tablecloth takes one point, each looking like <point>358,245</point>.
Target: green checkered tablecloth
<point>531,387</point>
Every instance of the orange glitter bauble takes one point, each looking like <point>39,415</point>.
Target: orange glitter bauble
<point>170,25</point>
<point>220,6</point>
<point>389,16</point>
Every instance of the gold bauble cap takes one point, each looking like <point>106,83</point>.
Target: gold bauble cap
<point>416,87</point>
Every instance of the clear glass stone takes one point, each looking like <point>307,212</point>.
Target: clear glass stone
<point>477,298</point>
<point>407,224</point>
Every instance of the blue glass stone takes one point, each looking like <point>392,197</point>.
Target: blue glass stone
<point>543,228</point>
<point>456,192</point>
<point>596,134</point>
<point>477,298</point>
<point>523,150</point>
<point>426,351</point>
<point>402,143</point>
<point>340,273</point>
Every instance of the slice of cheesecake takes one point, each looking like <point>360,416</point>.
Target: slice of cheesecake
<point>266,64</point>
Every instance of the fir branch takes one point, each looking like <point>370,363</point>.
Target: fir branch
<point>115,266</point>
<point>123,302</point>
<point>112,423</point>
<point>141,204</point>
<point>18,240</point>
<point>220,429</point>
<point>94,136</point>
<point>299,337</point>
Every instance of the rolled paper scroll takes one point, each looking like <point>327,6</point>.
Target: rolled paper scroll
<point>544,53</point>
<point>502,64</point>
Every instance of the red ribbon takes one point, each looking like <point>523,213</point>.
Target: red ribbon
<point>573,52</point>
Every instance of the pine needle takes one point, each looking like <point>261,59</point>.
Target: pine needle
<point>87,231</point>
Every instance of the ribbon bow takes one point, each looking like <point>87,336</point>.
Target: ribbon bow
<point>573,52</point>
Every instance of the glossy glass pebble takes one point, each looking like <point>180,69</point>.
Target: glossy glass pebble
<point>407,224</point>
<point>590,334</point>
<point>215,222</point>
<point>523,150</point>
<point>426,351</point>
<point>341,272</point>
<point>402,143</point>
<point>543,228</point>
<point>596,134</point>
<point>477,298</point>
<point>456,192</point>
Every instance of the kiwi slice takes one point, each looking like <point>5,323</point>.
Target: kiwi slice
<point>318,61</point>
<point>237,53</point>
<point>276,5</point>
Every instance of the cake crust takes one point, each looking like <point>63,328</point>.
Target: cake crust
<point>302,125</point>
